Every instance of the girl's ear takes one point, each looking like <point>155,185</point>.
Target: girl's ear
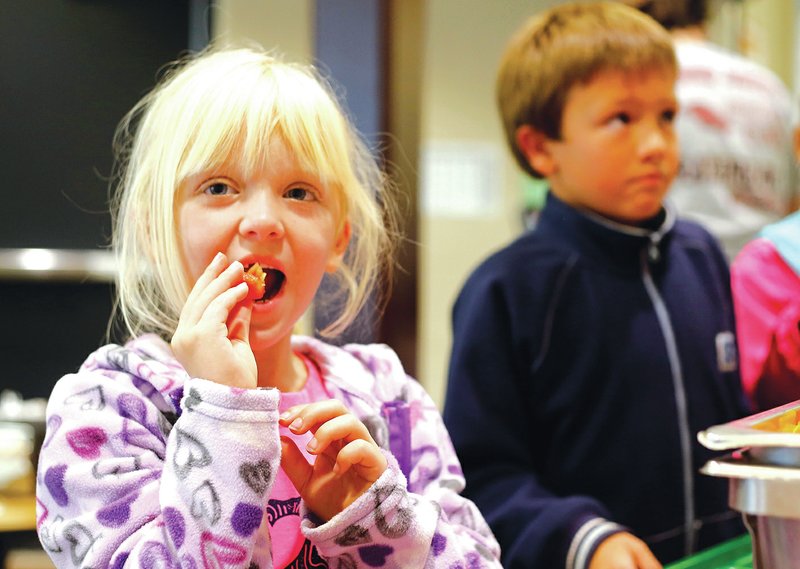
<point>339,248</point>
<point>535,146</point>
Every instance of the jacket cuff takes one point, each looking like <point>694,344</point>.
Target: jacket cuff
<point>230,404</point>
<point>387,494</point>
<point>591,532</point>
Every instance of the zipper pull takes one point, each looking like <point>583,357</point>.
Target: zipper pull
<point>653,252</point>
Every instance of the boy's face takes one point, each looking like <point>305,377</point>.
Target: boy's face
<point>618,152</point>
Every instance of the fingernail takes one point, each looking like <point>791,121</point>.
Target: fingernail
<point>296,424</point>
<point>312,445</point>
<point>218,257</point>
<point>285,416</point>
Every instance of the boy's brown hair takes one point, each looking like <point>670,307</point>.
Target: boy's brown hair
<point>566,45</point>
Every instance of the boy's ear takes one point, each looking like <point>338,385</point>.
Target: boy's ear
<point>535,146</point>
<point>339,248</point>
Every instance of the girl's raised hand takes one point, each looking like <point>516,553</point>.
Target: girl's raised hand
<point>211,339</point>
<point>348,461</point>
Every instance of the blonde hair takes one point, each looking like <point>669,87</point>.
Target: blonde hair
<point>225,104</point>
<point>567,45</point>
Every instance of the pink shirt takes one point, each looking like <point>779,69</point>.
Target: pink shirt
<point>766,299</point>
<point>283,509</point>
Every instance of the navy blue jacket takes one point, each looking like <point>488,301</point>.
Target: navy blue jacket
<point>586,357</point>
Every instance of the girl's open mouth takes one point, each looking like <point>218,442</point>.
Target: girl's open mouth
<point>273,282</point>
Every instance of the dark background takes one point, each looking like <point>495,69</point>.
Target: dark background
<point>70,70</point>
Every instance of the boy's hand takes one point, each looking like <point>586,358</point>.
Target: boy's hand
<point>348,461</point>
<point>623,551</point>
<point>212,337</point>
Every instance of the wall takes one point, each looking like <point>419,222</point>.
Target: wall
<point>768,32</point>
<point>459,114</point>
<point>286,26</point>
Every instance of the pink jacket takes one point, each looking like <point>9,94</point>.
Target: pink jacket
<point>766,294</point>
<point>143,466</point>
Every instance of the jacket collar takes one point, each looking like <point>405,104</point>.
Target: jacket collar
<point>605,240</point>
<point>785,236</point>
<point>338,366</point>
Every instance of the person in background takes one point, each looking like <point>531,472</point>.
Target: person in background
<point>766,294</point>
<point>215,437</point>
<point>738,172</point>
<point>589,352</point>
<point>765,278</point>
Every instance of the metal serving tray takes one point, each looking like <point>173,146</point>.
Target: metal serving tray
<point>770,437</point>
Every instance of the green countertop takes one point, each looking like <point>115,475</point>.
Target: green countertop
<point>734,554</point>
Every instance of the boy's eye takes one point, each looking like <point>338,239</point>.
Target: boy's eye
<point>668,116</point>
<point>218,189</point>
<point>299,193</point>
<point>623,118</point>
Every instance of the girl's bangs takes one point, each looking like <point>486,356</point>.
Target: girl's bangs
<point>219,138</point>
<point>240,129</point>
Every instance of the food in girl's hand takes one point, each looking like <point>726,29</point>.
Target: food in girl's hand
<point>263,284</point>
<point>255,278</point>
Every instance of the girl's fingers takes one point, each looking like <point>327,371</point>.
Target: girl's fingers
<point>219,309</point>
<point>317,412</point>
<point>342,429</point>
<point>230,276</point>
<point>295,465</point>
<point>303,418</point>
<point>206,293</point>
<point>212,271</point>
<point>364,456</point>
<point>239,319</point>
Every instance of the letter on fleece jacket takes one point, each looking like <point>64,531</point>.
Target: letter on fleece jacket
<point>143,466</point>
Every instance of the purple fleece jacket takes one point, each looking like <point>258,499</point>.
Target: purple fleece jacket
<point>143,466</point>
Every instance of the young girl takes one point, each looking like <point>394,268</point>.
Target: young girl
<point>216,438</point>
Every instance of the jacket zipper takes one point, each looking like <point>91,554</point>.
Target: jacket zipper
<point>690,528</point>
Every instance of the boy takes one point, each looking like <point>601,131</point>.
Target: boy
<point>588,353</point>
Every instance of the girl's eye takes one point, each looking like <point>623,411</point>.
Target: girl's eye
<point>668,116</point>
<point>218,189</point>
<point>299,193</point>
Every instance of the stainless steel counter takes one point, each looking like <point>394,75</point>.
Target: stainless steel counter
<point>74,265</point>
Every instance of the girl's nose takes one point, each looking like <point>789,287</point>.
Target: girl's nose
<point>261,219</point>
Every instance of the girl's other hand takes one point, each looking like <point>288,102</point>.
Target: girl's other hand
<point>623,551</point>
<point>348,461</point>
<point>211,340</point>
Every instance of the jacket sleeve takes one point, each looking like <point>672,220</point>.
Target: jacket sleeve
<point>495,436</point>
<point>121,486</point>
<point>767,305</point>
<point>419,520</point>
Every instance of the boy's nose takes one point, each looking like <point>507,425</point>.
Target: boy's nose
<point>655,142</point>
<point>261,219</point>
